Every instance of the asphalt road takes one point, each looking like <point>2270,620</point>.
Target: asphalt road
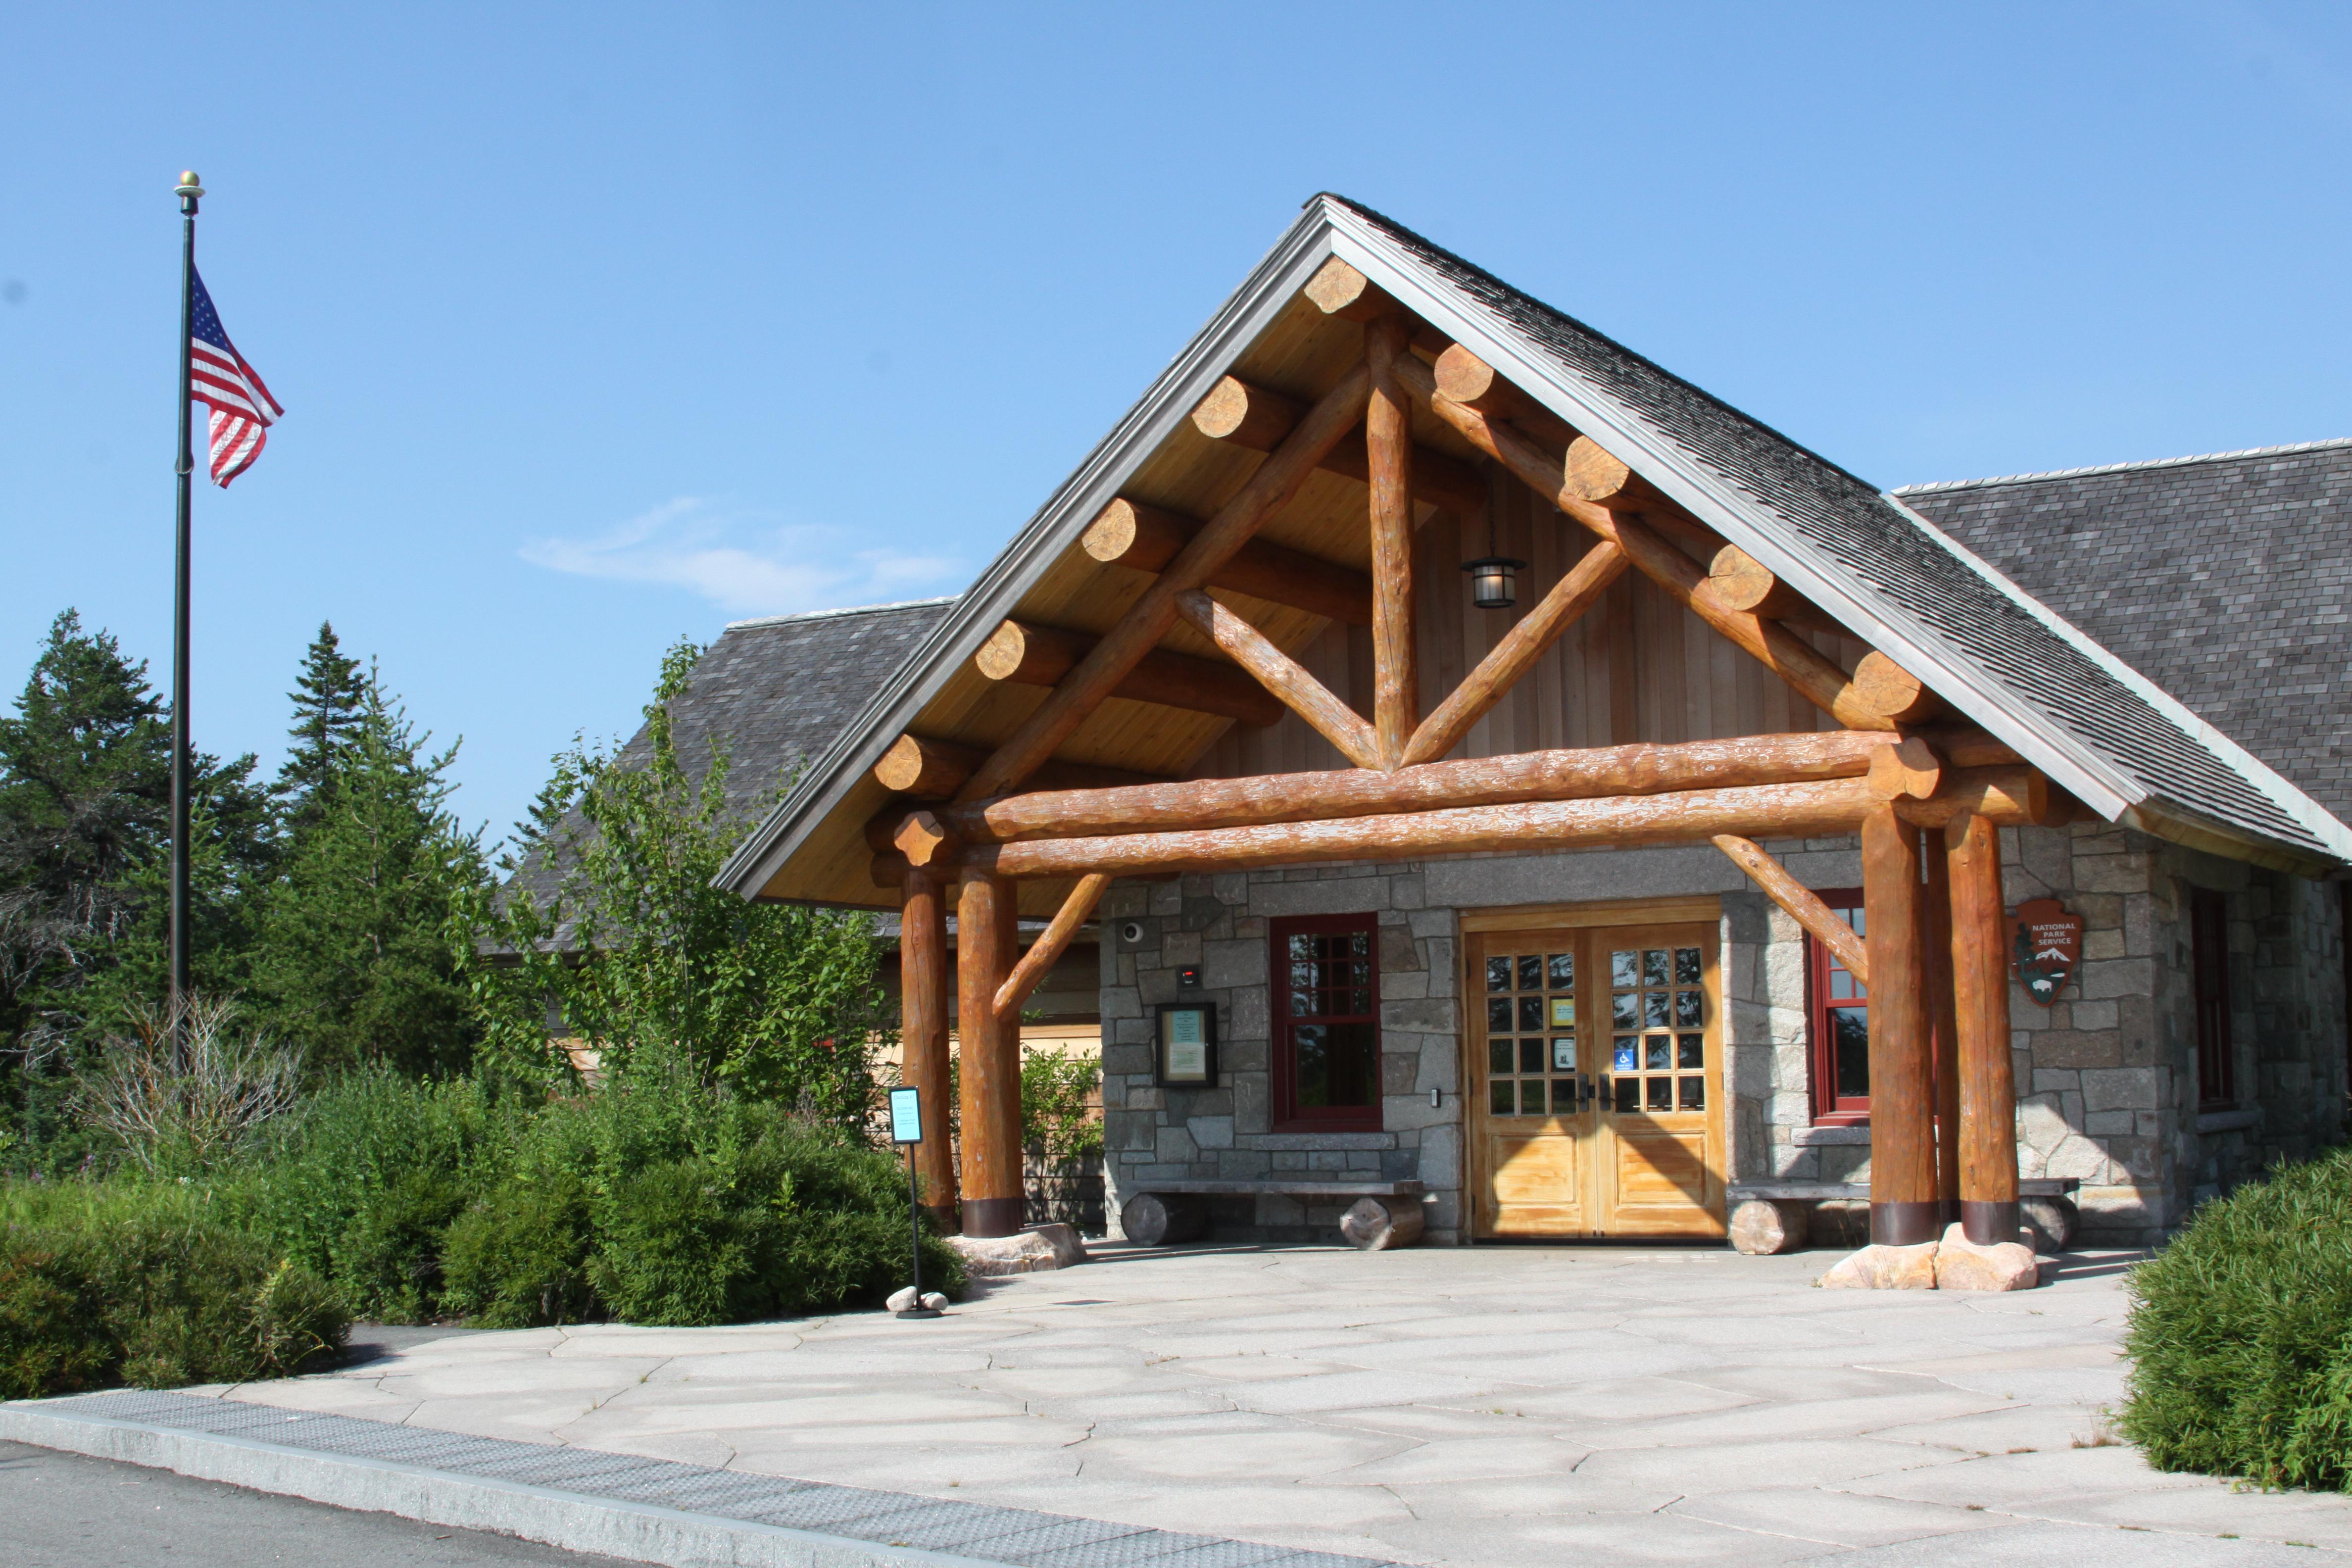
<point>67,1510</point>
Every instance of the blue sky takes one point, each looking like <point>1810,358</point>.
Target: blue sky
<point>597,327</point>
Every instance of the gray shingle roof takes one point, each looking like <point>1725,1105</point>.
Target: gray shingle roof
<point>779,692</point>
<point>1850,526</point>
<point>2227,580</point>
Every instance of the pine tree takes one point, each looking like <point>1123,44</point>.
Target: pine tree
<point>85,826</point>
<point>327,698</point>
<point>355,961</point>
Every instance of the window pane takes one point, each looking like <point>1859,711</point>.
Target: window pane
<point>1658,1048</point>
<point>1844,987</point>
<point>1302,947</point>
<point>1654,1008</point>
<point>1499,1097</point>
<point>1563,1097</point>
<point>1625,1010</point>
<point>1627,1060</point>
<point>1852,1042</point>
<point>1337,1065</point>
<point>1563,970</point>
<point>1498,1056</point>
<point>1694,1094</point>
<point>1531,1098</point>
<point>1531,1012</point>
<point>1662,1093</point>
<point>1687,1009</point>
<point>1629,1094</point>
<point>1686,966</point>
<point>1499,1013</point>
<point>1530,972</point>
<point>1623,970</point>
<point>1531,1056</point>
<point>1499,975</point>
<point>1563,1053</point>
<point>1563,1011</point>
<point>1692,1051</point>
<point>1654,966</point>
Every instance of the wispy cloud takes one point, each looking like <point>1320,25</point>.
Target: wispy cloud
<point>744,564</point>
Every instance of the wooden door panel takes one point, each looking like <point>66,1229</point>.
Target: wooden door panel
<point>1538,1188</point>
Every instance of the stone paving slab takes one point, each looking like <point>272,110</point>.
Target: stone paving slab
<point>1491,1406</point>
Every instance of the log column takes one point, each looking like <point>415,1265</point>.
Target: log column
<point>1943,1021</point>
<point>1903,1210</point>
<point>1989,1209</point>
<point>990,1068</point>
<point>1388,432</point>
<point>923,1034</point>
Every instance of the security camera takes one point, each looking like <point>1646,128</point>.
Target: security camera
<point>1131,932</point>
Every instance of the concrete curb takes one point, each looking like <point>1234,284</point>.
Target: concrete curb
<point>572,1521</point>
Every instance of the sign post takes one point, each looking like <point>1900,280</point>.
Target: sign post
<point>907,1130</point>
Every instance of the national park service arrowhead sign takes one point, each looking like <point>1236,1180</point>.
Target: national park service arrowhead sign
<point>2045,945</point>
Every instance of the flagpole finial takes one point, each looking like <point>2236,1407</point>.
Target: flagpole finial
<point>188,186</point>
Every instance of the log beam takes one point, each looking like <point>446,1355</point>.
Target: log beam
<point>1047,950</point>
<point>1257,418</point>
<point>1516,654</point>
<point>1904,1208</point>
<point>1808,756</point>
<point>1886,686</point>
<point>989,1075</point>
<point>1764,811</point>
<point>1030,655</point>
<point>1276,480</point>
<point>930,769</point>
<point>1388,429</point>
<point>1745,583</point>
<point>1340,289</point>
<point>1909,770</point>
<point>1815,678</point>
<point>1147,538</point>
<point>1804,906</point>
<point>1474,383</point>
<point>1284,678</point>
<point>923,1034</point>
<point>1988,1085</point>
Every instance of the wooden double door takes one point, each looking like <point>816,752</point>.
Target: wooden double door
<point>1595,1081</point>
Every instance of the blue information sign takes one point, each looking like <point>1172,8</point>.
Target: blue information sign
<point>906,1115</point>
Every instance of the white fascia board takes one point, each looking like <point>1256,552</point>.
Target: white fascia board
<point>1054,529</point>
<point>2089,777</point>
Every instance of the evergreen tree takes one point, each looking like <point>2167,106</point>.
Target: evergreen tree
<point>329,698</point>
<point>355,963</point>
<point>85,831</point>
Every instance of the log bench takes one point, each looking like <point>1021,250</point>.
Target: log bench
<point>1384,1214</point>
<point>1777,1216</point>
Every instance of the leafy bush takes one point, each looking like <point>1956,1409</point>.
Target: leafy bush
<point>1055,1117</point>
<point>103,1284</point>
<point>2242,1336</point>
<point>520,1258</point>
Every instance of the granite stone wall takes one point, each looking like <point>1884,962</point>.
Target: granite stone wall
<point>2106,1077</point>
<point>1154,1133</point>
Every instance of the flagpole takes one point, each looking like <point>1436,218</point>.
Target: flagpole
<point>188,192</point>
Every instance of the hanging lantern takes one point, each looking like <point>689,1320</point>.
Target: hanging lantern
<point>1494,581</point>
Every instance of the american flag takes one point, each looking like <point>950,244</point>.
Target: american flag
<point>242,408</point>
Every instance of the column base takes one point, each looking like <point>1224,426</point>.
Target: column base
<point>1990,1224</point>
<point>1905,1224</point>
<point>992,1216</point>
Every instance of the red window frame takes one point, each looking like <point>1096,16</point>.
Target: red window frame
<point>1289,1115</point>
<point>2209,967</point>
<point>1830,988</point>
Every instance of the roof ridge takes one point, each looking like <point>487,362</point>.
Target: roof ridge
<point>1935,485</point>
<point>850,610</point>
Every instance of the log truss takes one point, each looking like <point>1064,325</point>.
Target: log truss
<point>1927,801</point>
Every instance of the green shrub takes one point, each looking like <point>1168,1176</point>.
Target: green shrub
<point>2241,1335</point>
<point>520,1258</point>
<point>119,1283</point>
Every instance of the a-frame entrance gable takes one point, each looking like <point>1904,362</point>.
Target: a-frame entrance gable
<point>1866,564</point>
<point>2108,735</point>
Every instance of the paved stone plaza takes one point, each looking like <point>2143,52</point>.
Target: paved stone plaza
<point>1495,1406</point>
